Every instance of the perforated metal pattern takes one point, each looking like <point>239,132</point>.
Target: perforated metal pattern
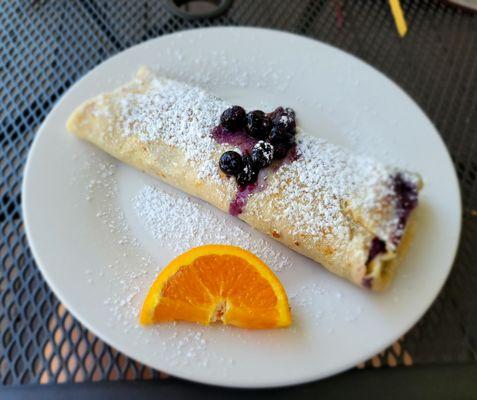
<point>45,46</point>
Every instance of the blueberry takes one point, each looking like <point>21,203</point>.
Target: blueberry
<point>258,124</point>
<point>280,150</point>
<point>284,119</point>
<point>249,172</point>
<point>291,112</point>
<point>231,163</point>
<point>262,154</point>
<point>278,111</point>
<point>233,118</point>
<point>279,135</point>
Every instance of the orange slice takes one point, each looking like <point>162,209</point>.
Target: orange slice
<point>218,283</point>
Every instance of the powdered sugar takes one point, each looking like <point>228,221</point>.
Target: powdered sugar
<point>178,114</point>
<point>181,223</point>
<point>324,184</point>
<point>319,306</point>
<point>191,347</point>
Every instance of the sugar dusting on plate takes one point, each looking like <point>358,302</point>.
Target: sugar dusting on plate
<point>319,305</point>
<point>181,223</point>
<point>131,272</point>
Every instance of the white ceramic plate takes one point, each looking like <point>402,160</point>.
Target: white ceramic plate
<point>96,254</point>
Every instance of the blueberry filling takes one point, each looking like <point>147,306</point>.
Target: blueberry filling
<point>406,202</point>
<point>262,139</point>
<point>367,282</point>
<point>240,201</point>
<point>239,138</point>
<point>377,247</point>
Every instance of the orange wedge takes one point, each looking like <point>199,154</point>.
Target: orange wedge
<point>217,283</point>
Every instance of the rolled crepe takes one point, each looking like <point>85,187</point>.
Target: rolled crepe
<point>348,213</point>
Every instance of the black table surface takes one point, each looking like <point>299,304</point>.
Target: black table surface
<point>47,45</point>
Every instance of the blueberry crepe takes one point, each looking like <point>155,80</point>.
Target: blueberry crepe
<point>349,213</point>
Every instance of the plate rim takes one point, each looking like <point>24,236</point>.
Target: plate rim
<point>223,382</point>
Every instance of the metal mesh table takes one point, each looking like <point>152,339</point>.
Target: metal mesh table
<point>45,46</point>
